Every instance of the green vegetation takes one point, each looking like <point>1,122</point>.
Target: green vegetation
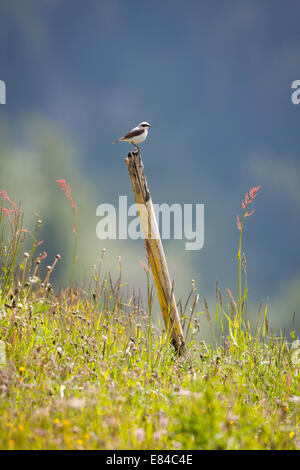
<point>86,367</point>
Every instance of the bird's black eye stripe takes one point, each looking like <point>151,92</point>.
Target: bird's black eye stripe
<point>144,125</point>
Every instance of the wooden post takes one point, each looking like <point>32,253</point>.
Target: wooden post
<point>155,250</point>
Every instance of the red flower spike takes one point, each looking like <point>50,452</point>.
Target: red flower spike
<point>67,190</point>
<point>249,213</point>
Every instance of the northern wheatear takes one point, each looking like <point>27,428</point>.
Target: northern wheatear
<point>137,135</point>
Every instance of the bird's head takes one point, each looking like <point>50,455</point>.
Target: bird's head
<point>145,125</point>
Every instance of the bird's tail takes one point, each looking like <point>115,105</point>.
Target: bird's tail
<point>118,140</point>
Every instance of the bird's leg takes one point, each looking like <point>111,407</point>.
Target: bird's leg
<point>136,147</point>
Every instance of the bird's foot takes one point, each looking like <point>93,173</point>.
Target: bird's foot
<point>136,148</point>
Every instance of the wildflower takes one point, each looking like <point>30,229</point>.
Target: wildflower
<point>79,442</point>
<point>163,421</point>
<point>140,434</point>
<point>248,199</point>
<point>40,432</point>
<point>6,211</point>
<point>76,403</point>
<point>21,427</point>
<point>68,440</point>
<point>252,193</point>
<point>41,257</point>
<point>22,369</point>
<point>232,299</point>
<point>66,423</point>
<point>291,434</point>
<point>145,268</point>
<point>4,195</point>
<point>67,190</point>
<point>56,421</point>
<point>247,214</point>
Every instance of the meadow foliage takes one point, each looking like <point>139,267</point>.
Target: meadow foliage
<point>90,366</point>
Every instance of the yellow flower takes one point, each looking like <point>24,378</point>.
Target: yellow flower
<point>68,440</point>
<point>86,436</point>
<point>21,427</point>
<point>56,421</point>
<point>66,422</point>
<point>22,369</point>
<point>79,442</point>
<point>291,434</point>
<point>11,443</point>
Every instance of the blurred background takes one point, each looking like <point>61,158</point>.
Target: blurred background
<point>213,78</point>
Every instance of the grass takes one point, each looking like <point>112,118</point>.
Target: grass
<point>86,367</point>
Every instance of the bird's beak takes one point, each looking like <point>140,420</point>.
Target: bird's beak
<point>150,125</point>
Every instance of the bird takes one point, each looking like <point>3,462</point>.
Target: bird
<point>137,135</point>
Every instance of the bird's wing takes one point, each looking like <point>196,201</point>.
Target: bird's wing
<point>133,133</point>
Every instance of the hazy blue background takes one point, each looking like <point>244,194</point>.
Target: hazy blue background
<point>214,79</point>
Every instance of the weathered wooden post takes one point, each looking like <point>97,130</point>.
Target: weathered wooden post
<point>155,250</point>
